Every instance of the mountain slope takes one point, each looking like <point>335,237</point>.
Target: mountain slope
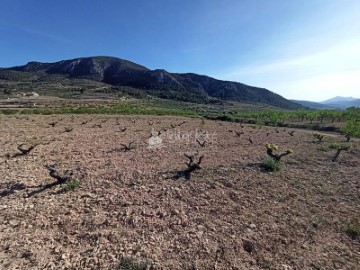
<point>189,86</point>
<point>338,100</point>
<point>236,91</point>
<point>354,103</point>
<point>342,102</point>
<point>336,103</point>
<point>315,105</point>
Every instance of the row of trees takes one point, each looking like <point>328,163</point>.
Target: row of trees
<point>351,117</point>
<point>277,117</point>
<point>352,123</point>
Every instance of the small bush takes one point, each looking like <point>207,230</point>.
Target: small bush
<point>72,185</point>
<point>353,230</point>
<point>336,146</point>
<point>270,164</point>
<point>8,112</point>
<point>260,122</point>
<point>127,263</point>
<point>225,117</point>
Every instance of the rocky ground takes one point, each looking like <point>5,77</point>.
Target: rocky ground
<point>135,206</point>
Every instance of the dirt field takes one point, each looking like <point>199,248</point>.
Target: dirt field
<point>137,205</point>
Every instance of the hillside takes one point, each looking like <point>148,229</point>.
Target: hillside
<point>116,72</point>
<point>337,100</point>
<point>354,103</point>
<point>315,105</point>
<point>342,102</point>
<point>336,103</point>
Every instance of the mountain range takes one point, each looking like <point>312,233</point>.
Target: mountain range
<point>117,72</point>
<point>336,103</point>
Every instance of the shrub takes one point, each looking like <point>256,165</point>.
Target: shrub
<point>225,117</point>
<point>353,230</point>
<point>8,112</point>
<point>270,164</point>
<point>352,124</point>
<point>334,146</point>
<point>72,185</point>
<point>260,122</point>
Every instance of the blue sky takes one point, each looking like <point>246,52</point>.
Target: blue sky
<point>299,49</point>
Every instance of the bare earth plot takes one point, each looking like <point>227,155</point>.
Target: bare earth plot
<point>134,204</point>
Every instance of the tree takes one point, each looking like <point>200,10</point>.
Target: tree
<point>274,118</point>
<point>352,124</point>
<point>301,115</point>
<point>311,116</point>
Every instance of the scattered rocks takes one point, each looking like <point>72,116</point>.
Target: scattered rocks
<point>252,226</point>
<point>14,223</point>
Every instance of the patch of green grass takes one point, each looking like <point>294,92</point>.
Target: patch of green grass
<point>260,122</point>
<point>9,112</point>
<point>72,185</point>
<point>353,230</point>
<point>270,164</point>
<point>334,146</point>
<point>127,263</point>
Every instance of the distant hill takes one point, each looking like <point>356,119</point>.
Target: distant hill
<point>342,102</point>
<point>354,103</point>
<point>314,105</point>
<point>118,72</point>
<point>336,103</point>
<point>338,100</point>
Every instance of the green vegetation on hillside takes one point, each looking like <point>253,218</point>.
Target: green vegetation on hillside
<point>108,75</point>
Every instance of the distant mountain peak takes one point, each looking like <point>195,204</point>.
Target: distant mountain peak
<point>337,103</point>
<point>337,99</point>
